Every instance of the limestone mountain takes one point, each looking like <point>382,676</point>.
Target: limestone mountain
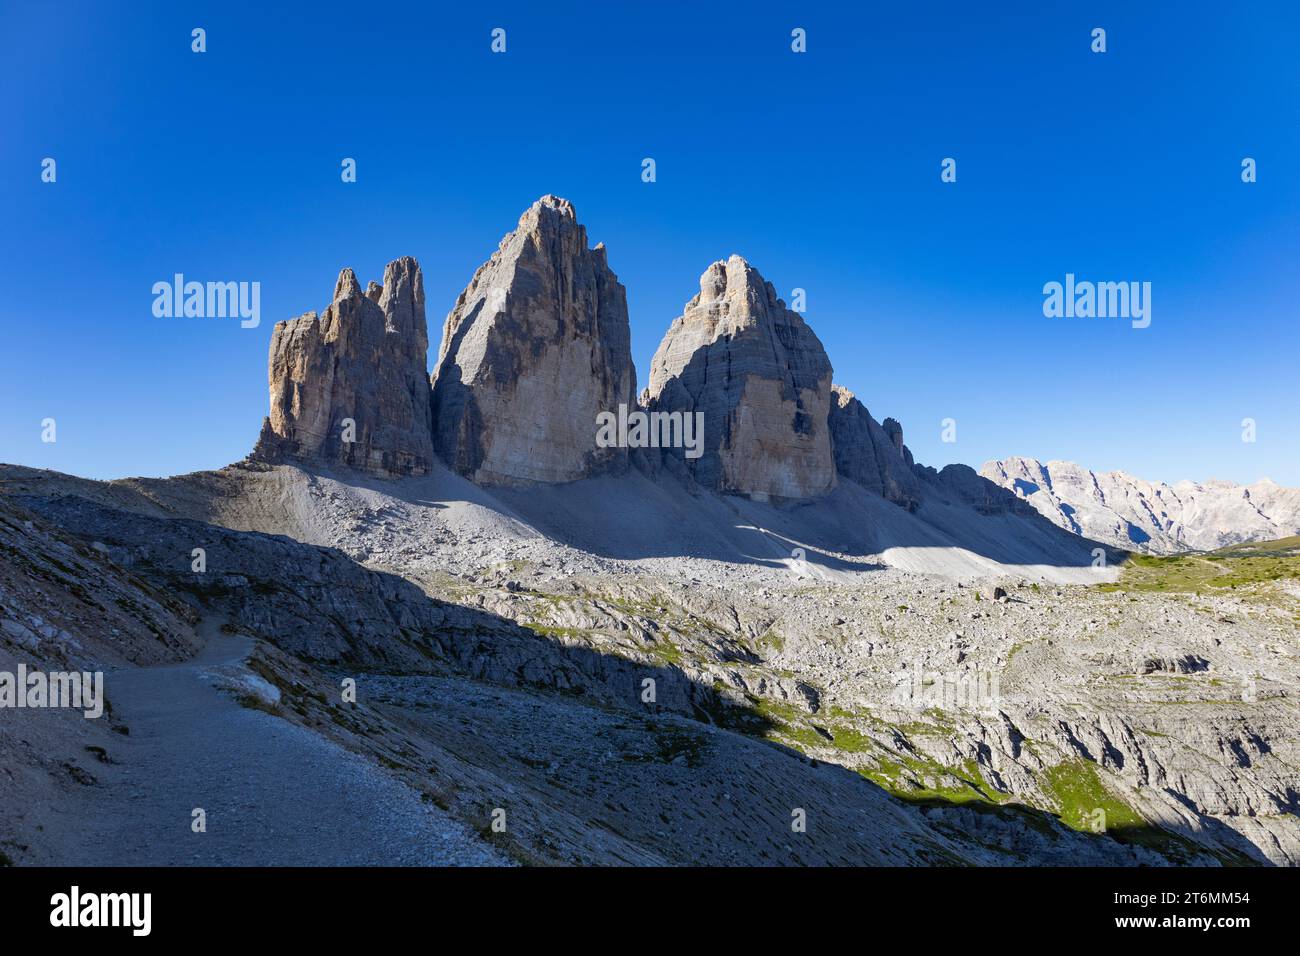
<point>539,344</point>
<point>535,348</point>
<point>872,454</point>
<point>349,386</point>
<point>762,380</point>
<point>1116,508</point>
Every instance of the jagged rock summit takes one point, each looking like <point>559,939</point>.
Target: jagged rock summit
<point>762,380</point>
<point>1116,508</point>
<point>538,348</point>
<point>535,348</point>
<point>349,386</point>
<point>872,454</point>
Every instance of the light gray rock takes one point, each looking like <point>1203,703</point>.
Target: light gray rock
<point>363,361</point>
<point>535,348</point>
<point>19,634</point>
<point>1117,508</point>
<point>1181,708</point>
<point>762,380</point>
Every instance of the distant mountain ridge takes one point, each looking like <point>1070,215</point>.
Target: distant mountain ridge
<point>1119,509</point>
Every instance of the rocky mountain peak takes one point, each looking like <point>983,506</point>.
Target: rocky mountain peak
<point>733,294</point>
<point>894,430</point>
<point>401,298</point>
<point>871,454</point>
<point>550,204</point>
<point>348,386</point>
<point>536,346</point>
<point>347,285</point>
<point>760,377</point>
<point>1117,508</point>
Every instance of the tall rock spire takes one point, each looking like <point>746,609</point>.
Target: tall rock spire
<point>762,380</point>
<point>349,387</point>
<point>535,348</point>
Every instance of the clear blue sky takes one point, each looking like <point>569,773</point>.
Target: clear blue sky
<point>822,169</point>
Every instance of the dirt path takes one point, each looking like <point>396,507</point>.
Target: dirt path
<point>274,793</point>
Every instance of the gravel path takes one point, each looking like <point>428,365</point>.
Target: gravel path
<point>274,793</point>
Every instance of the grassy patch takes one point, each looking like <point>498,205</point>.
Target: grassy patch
<point>1016,647</point>
<point>902,773</point>
<point>925,781</point>
<point>665,651</point>
<point>1078,793</point>
<point>1077,789</point>
<point>546,630</point>
<point>1237,566</point>
<point>256,703</point>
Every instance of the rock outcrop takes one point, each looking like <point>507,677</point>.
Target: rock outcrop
<point>350,386</point>
<point>762,381</point>
<point>871,454</point>
<point>535,348</point>
<point>1118,509</point>
<point>964,484</point>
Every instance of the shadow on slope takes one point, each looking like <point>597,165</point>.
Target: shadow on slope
<point>965,525</point>
<point>955,530</point>
<point>325,609</point>
<point>320,606</point>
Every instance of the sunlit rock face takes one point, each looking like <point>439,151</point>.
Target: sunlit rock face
<point>349,386</point>
<point>762,380</point>
<point>536,347</point>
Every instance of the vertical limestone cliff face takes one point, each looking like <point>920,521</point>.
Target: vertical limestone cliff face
<point>762,380</point>
<point>349,387</point>
<point>538,346</point>
<point>535,348</point>
<point>872,454</point>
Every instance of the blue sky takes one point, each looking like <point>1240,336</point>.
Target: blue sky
<point>822,169</point>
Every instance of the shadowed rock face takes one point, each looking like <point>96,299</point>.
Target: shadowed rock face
<point>871,454</point>
<point>535,348</point>
<point>761,379</point>
<point>364,359</point>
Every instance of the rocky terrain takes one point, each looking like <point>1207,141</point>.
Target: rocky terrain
<point>801,647</point>
<point>465,616</point>
<point>1152,517</point>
